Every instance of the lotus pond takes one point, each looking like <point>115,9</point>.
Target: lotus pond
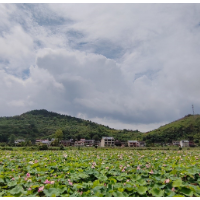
<point>100,173</point>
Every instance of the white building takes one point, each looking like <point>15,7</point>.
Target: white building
<point>184,143</point>
<point>47,142</point>
<point>19,141</point>
<point>107,141</point>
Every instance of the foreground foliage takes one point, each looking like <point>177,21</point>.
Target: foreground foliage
<point>100,172</point>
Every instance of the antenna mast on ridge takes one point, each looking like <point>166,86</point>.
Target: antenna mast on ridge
<point>193,109</point>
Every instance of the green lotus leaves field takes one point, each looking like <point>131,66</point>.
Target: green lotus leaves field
<point>100,173</point>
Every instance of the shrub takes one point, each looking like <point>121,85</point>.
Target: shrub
<point>7,148</point>
<point>43,147</point>
<point>53,148</point>
<point>62,147</point>
<point>180,148</point>
<point>2,144</point>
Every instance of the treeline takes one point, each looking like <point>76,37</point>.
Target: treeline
<point>187,128</point>
<point>42,124</point>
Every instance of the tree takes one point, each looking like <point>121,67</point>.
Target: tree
<point>96,137</point>
<point>12,139</point>
<point>28,143</point>
<point>59,135</point>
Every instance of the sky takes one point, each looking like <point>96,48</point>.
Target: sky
<point>128,66</point>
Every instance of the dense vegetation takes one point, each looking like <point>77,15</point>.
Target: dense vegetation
<point>42,124</point>
<point>100,173</point>
<point>185,128</point>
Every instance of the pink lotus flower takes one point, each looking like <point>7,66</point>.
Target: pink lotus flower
<point>70,183</point>
<point>12,169</point>
<point>173,189</point>
<point>13,179</point>
<point>167,181</point>
<point>41,189</point>
<point>107,167</point>
<point>52,182</point>
<point>29,188</point>
<point>138,167</point>
<point>36,161</point>
<point>151,172</point>
<point>28,175</point>
<point>93,167</point>
<point>47,182</point>
<point>123,170</point>
<point>25,179</point>
<point>127,180</point>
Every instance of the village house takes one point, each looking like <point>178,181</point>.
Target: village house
<point>142,144</point>
<point>118,143</point>
<point>79,143</point>
<point>176,143</point>
<point>107,141</point>
<point>133,143</point>
<point>19,141</point>
<point>47,142</point>
<point>67,142</point>
<point>97,143</point>
<point>89,143</point>
<point>184,143</point>
<point>192,144</point>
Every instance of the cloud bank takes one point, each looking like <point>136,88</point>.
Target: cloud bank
<point>128,66</point>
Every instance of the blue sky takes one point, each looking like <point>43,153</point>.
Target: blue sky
<point>128,66</point>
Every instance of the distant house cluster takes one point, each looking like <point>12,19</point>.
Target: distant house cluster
<point>183,143</point>
<point>105,142</point>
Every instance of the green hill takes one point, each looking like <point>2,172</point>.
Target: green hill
<point>187,127</point>
<point>40,124</point>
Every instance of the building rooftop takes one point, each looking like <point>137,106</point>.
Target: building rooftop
<point>110,138</point>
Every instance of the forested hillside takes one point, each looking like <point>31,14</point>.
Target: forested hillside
<point>41,124</point>
<point>185,128</point>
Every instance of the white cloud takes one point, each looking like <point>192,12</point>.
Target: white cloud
<point>56,57</point>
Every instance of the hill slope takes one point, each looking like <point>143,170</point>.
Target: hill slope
<point>37,124</point>
<point>184,128</point>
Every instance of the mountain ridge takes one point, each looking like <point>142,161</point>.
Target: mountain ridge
<point>43,124</point>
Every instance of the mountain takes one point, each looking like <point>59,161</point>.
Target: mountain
<point>187,127</point>
<point>41,124</point>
